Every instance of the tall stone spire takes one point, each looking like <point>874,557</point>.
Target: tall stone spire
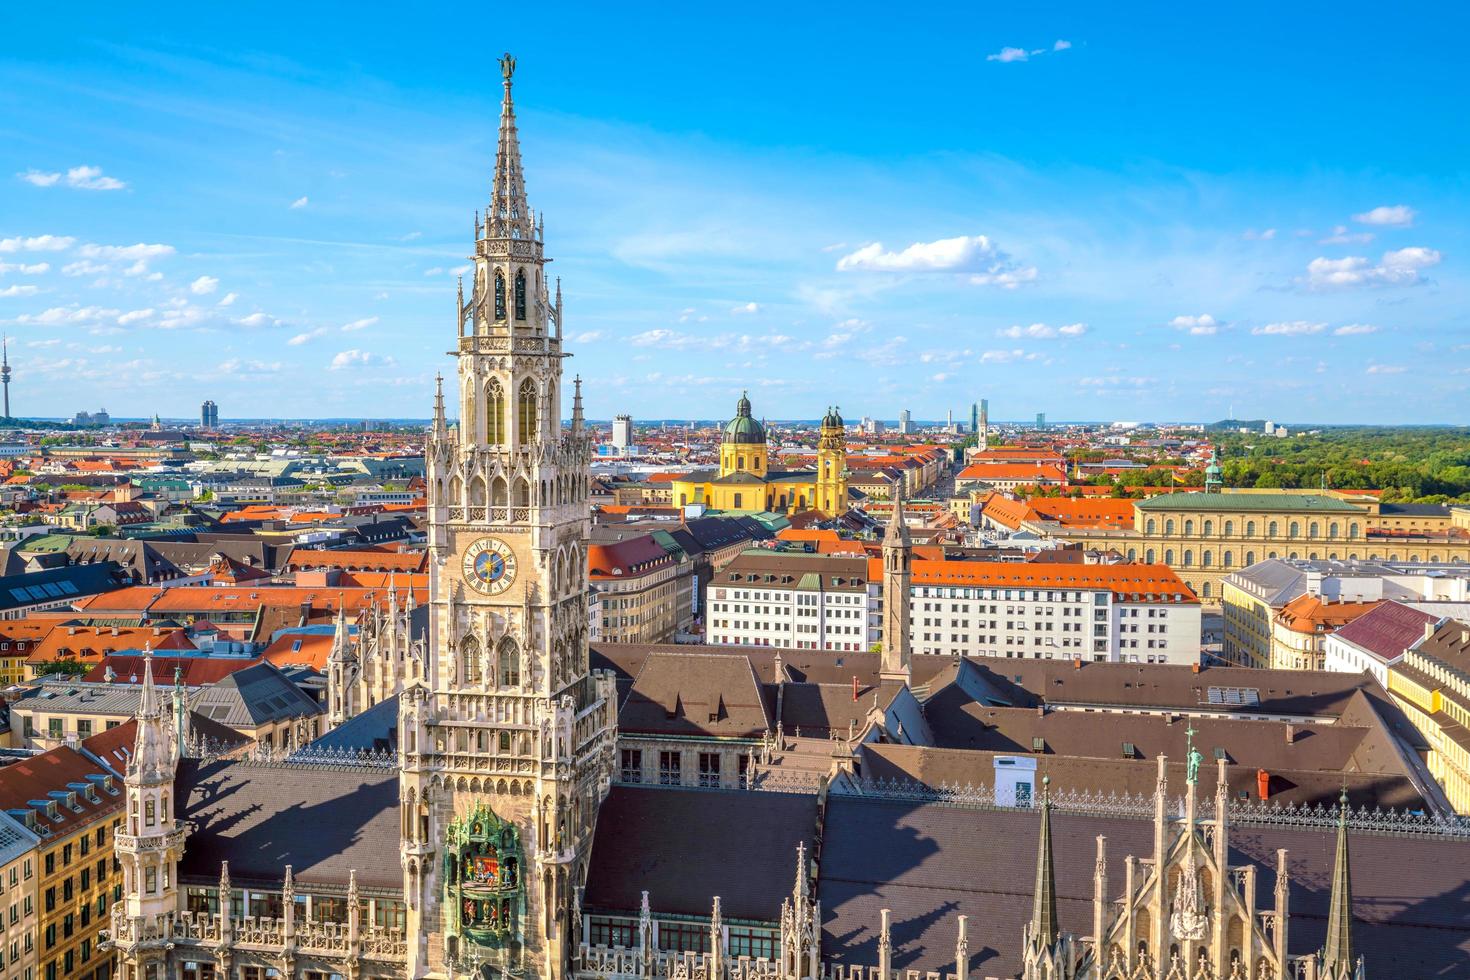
<point>578,421</point>
<point>1044,899</point>
<point>509,216</point>
<point>153,745</point>
<point>1337,962</point>
<point>441,424</point>
<point>897,576</point>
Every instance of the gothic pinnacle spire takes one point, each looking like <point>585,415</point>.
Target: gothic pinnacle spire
<point>509,215</point>
<point>1337,951</point>
<point>1043,931</point>
<point>440,423</point>
<point>577,419</point>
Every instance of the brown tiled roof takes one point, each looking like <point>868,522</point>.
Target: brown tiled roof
<point>710,695</point>
<point>33,778</point>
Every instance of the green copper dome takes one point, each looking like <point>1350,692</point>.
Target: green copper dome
<point>743,429</point>
<point>832,420</point>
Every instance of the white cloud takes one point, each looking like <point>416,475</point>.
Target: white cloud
<point>1264,235</point>
<point>18,291</point>
<point>1393,216</point>
<point>84,267</point>
<point>38,243</point>
<point>1007,55</point>
<point>362,324</point>
<point>1005,356</point>
<point>228,299</point>
<point>358,359</point>
<point>303,338</point>
<point>437,270</point>
<point>258,320</point>
<point>82,178</point>
<point>134,316</point>
<point>1341,236</point>
<point>1355,330</point>
<point>34,269</point>
<point>1116,381</point>
<point>941,377</point>
<point>140,255</point>
<point>975,254</point>
<point>746,308</point>
<point>1200,325</point>
<point>240,366</point>
<point>300,203</point>
<point>1403,267</point>
<point>204,285</point>
<point>92,179</point>
<point>1386,369</point>
<point>58,315</point>
<point>586,337</point>
<point>1043,331</point>
<point>1290,328</point>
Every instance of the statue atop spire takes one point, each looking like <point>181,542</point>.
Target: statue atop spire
<point>508,216</point>
<point>507,67</point>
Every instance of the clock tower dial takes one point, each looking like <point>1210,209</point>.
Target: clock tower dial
<point>489,565</point>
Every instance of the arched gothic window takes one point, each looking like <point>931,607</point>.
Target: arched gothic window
<point>469,658</point>
<point>526,411</point>
<point>509,656</point>
<point>521,294</point>
<point>494,414</point>
<point>499,296</point>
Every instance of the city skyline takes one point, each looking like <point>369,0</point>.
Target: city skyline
<point>278,227</point>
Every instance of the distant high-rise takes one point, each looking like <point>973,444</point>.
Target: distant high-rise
<point>974,418</point>
<point>209,415</point>
<point>905,423</point>
<point>1040,421</point>
<point>622,431</point>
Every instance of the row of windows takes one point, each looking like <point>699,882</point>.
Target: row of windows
<point>1272,528</point>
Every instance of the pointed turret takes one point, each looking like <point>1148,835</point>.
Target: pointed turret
<point>341,638</point>
<point>897,575</point>
<point>153,744</point>
<point>1044,930</point>
<point>1337,962</point>
<point>578,422</point>
<point>441,423</point>
<point>510,216</point>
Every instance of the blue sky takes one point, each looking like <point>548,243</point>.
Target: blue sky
<point>1137,211</point>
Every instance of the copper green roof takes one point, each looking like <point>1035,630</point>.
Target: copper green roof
<point>1294,502</point>
<point>743,429</point>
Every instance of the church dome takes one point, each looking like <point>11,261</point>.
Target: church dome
<point>743,429</point>
<point>832,420</point>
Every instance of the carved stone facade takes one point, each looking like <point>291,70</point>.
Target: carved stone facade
<point>507,722</point>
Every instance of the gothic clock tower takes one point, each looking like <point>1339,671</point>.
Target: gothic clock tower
<point>506,747</point>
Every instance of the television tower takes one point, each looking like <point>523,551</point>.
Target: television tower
<point>5,372</point>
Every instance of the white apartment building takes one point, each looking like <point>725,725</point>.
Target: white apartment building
<point>1108,613</point>
<point>804,602</point>
<point>1115,613</point>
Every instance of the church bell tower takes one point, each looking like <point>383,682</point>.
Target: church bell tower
<point>506,744</point>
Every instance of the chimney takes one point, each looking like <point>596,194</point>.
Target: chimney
<point>1263,784</point>
<point>1076,663</point>
<point>1290,734</point>
<point>1195,668</point>
<point>1041,711</point>
<point>1428,630</point>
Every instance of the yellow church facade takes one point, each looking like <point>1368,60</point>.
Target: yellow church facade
<point>745,481</point>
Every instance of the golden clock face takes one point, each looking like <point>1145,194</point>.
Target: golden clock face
<point>489,565</point>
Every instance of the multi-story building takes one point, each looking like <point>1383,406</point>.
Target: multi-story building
<point>1300,630</point>
<point>1431,682</point>
<point>75,806</point>
<point>20,858</point>
<point>622,432</point>
<point>1252,598</point>
<point>804,602</point>
<point>645,586</point>
<point>1128,613</point>
<point>1376,641</point>
<point>1206,536</point>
